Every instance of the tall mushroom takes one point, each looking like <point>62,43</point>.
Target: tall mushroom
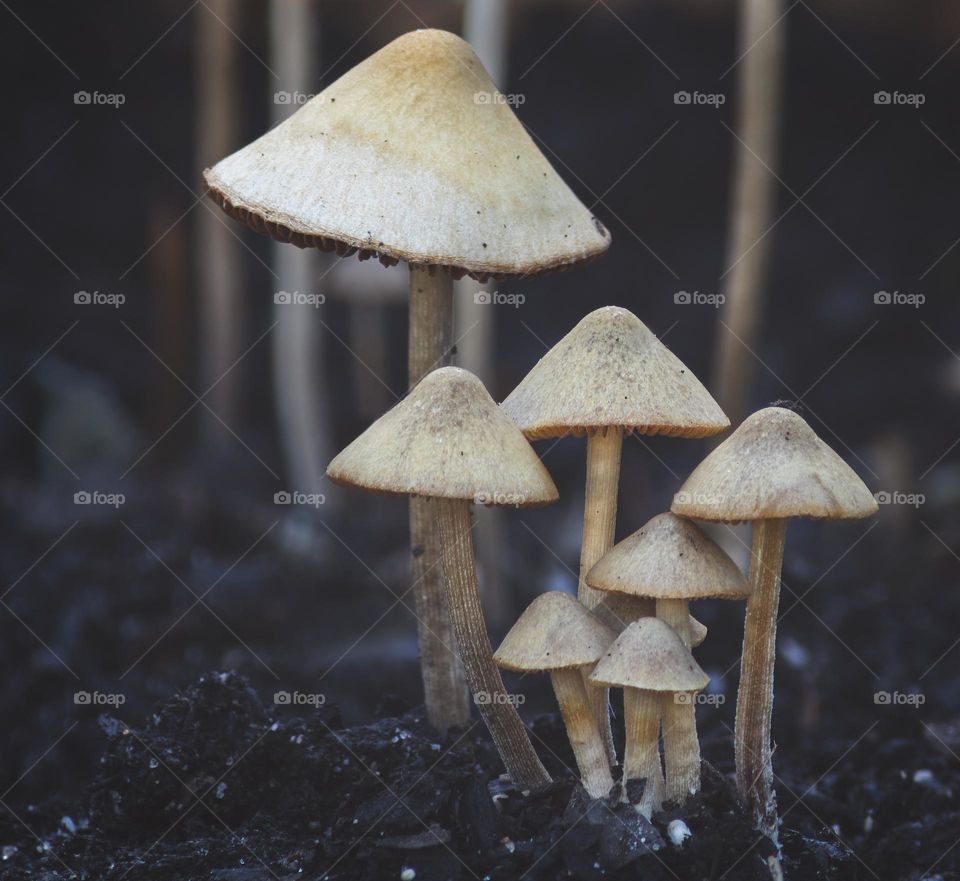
<point>672,561</point>
<point>647,660</point>
<point>558,635</point>
<point>606,378</point>
<point>448,443</point>
<point>414,156</point>
<point>772,468</point>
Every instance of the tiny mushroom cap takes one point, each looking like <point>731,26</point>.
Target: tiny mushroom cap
<point>554,632</point>
<point>412,155</point>
<point>447,439</point>
<point>611,370</point>
<point>669,558</point>
<point>773,466</point>
<point>698,632</point>
<point>649,655</point>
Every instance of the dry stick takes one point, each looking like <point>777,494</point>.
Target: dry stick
<point>496,708</point>
<point>681,747</point>
<point>759,85</point>
<point>641,758</point>
<point>599,522</point>
<point>755,697</point>
<point>588,748</point>
<point>444,686</point>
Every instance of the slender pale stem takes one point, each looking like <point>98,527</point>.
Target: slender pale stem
<point>495,705</point>
<point>599,523</point>
<point>681,747</point>
<point>588,748</point>
<point>444,684</point>
<point>755,697</point>
<point>641,758</point>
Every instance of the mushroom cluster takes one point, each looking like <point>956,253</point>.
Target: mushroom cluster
<point>448,444</point>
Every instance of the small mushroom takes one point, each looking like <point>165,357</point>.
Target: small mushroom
<point>449,442</point>
<point>647,661</point>
<point>672,561</point>
<point>400,158</point>
<point>606,378</point>
<point>559,636</point>
<point>772,468</point>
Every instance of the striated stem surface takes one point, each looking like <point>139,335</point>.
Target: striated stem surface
<point>641,758</point>
<point>588,748</point>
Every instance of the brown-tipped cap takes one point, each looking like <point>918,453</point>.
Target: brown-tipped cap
<point>773,466</point>
<point>611,370</point>
<point>649,655</point>
<point>554,632</point>
<point>412,155</point>
<point>447,439</point>
<point>698,632</point>
<point>669,558</point>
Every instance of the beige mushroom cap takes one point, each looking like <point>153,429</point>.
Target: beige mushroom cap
<point>611,370</point>
<point>554,632</point>
<point>447,439</point>
<point>773,466</point>
<point>412,155</point>
<point>649,655</point>
<point>669,558</point>
<point>698,632</point>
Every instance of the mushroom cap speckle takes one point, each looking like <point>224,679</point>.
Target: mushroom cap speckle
<point>412,155</point>
<point>773,466</point>
<point>649,655</point>
<point>554,632</point>
<point>447,439</point>
<point>611,370</point>
<point>669,558</point>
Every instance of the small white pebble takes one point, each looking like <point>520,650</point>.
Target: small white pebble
<point>868,824</point>
<point>924,775</point>
<point>407,874</point>
<point>221,790</point>
<point>678,832</point>
<point>508,844</point>
<point>68,824</point>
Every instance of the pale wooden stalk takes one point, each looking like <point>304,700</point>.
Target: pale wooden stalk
<point>444,686</point>
<point>588,748</point>
<point>641,758</point>
<point>755,696</point>
<point>681,747</point>
<point>496,707</point>
<point>599,523</point>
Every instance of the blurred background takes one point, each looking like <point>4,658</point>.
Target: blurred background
<point>166,415</point>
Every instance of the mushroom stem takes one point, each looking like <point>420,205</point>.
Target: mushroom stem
<point>681,747</point>
<point>444,687</point>
<point>588,748</point>
<point>500,715</point>
<point>755,696</point>
<point>641,758</point>
<point>599,523</point>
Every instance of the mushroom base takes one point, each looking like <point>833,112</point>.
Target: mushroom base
<point>588,748</point>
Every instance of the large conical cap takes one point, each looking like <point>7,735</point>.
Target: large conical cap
<point>447,439</point>
<point>412,155</point>
<point>611,370</point>
<point>773,466</point>
<point>669,558</point>
<point>649,655</point>
<point>554,632</point>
